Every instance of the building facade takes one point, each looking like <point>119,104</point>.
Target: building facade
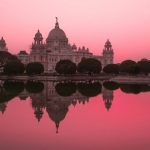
<point>56,48</point>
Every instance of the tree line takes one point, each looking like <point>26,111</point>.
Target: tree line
<point>93,66</point>
<point>11,89</point>
<point>88,66</point>
<point>129,67</point>
<point>18,68</point>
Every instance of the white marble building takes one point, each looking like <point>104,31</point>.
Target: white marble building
<point>57,48</point>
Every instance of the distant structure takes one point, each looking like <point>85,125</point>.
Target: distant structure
<point>3,45</point>
<point>56,48</point>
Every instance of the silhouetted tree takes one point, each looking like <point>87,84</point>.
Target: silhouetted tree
<point>89,65</point>
<point>144,66</point>
<point>13,86</point>
<point>111,68</point>
<point>110,85</point>
<point>34,86</point>
<point>6,96</point>
<point>65,89</point>
<point>14,68</point>
<point>130,88</point>
<point>89,89</point>
<point>10,90</point>
<point>129,66</point>
<point>145,88</point>
<point>6,57</point>
<point>34,68</point>
<point>65,67</point>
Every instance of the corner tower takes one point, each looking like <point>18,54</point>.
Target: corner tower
<point>108,54</point>
<point>38,41</point>
<point>107,97</point>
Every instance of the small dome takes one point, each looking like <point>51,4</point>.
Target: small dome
<point>83,48</point>
<point>22,52</point>
<point>74,46</point>
<point>108,44</point>
<point>79,49</point>
<point>38,35</point>
<point>2,39</point>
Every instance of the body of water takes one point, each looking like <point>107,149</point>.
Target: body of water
<point>74,116</point>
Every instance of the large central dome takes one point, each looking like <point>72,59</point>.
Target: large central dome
<point>56,34</point>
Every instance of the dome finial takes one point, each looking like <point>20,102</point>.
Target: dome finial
<point>56,19</point>
<point>57,24</point>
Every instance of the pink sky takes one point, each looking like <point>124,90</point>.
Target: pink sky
<point>86,22</point>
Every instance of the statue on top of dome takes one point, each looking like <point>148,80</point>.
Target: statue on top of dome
<point>57,24</point>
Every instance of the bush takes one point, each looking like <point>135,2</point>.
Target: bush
<point>34,87</point>
<point>13,87</point>
<point>14,68</point>
<point>111,68</point>
<point>111,85</point>
<point>144,66</point>
<point>11,90</point>
<point>6,57</point>
<point>90,89</point>
<point>34,68</point>
<point>130,88</point>
<point>89,65</point>
<point>65,89</point>
<point>129,66</point>
<point>65,67</point>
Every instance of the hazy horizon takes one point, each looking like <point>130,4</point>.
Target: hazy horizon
<point>86,23</point>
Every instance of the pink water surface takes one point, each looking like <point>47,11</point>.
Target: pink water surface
<point>125,126</point>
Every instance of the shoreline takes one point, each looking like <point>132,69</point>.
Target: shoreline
<point>131,79</point>
<point>55,78</point>
<point>118,79</point>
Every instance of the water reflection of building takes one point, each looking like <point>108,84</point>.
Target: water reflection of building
<point>107,97</point>
<point>56,105</point>
<point>57,110</point>
<point>3,107</point>
<point>38,105</point>
<point>23,95</point>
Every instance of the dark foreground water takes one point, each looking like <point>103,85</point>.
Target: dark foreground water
<point>74,116</point>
